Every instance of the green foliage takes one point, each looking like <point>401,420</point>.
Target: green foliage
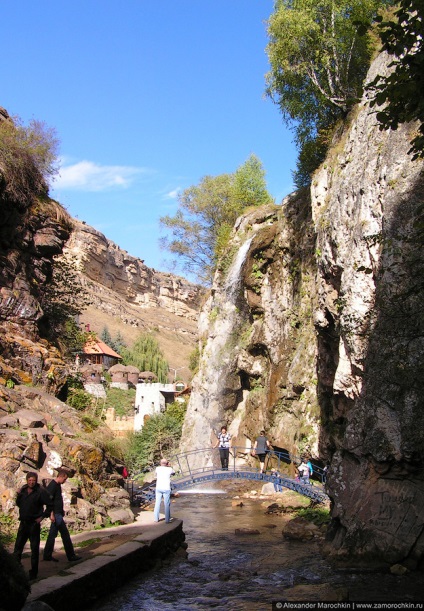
<point>316,515</point>
<point>146,355</point>
<point>194,358</point>
<point>318,63</point>
<point>8,528</point>
<point>159,437</point>
<point>62,299</point>
<point>116,344</point>
<point>401,92</point>
<point>206,215</point>
<point>106,337</point>
<point>28,158</point>
<point>79,399</point>
<point>121,400</point>
<point>72,339</point>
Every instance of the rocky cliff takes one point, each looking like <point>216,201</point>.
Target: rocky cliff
<point>128,295</point>
<point>37,431</point>
<point>313,331</point>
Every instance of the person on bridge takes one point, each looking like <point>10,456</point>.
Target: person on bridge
<point>224,443</point>
<point>303,472</point>
<point>261,447</point>
<point>163,489</point>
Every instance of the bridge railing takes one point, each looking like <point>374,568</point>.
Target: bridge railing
<point>199,466</point>
<point>197,461</point>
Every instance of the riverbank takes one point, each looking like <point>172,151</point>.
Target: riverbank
<point>109,558</point>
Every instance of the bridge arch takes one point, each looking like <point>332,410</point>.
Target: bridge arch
<point>200,466</point>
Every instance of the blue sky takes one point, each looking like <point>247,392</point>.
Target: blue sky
<point>147,97</point>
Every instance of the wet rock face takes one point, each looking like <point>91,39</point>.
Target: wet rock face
<point>313,332</point>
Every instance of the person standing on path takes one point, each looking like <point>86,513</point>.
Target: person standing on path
<point>34,504</point>
<point>57,522</point>
<point>163,489</point>
<point>224,444</point>
<point>261,447</point>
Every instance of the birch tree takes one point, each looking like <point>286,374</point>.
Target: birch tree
<point>319,56</point>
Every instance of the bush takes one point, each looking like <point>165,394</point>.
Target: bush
<point>28,158</point>
<point>159,437</point>
<point>79,399</point>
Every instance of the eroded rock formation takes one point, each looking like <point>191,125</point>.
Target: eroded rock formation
<point>112,273</point>
<point>313,331</point>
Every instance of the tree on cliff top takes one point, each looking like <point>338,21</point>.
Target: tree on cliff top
<point>400,94</point>
<point>207,213</point>
<point>318,64</point>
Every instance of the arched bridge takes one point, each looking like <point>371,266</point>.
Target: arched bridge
<point>199,466</point>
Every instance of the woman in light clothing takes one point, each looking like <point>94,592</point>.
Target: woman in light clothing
<point>163,489</point>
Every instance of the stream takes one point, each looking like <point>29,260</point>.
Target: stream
<point>225,570</point>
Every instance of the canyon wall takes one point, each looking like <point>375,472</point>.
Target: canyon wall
<point>130,298</point>
<point>313,331</point>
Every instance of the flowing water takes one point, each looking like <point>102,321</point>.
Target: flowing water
<point>243,572</point>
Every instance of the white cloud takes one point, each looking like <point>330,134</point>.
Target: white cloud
<point>90,176</point>
<point>173,194</point>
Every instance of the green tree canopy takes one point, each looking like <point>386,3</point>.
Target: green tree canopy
<point>158,438</point>
<point>400,95</point>
<point>106,337</point>
<point>206,215</point>
<point>62,299</point>
<point>146,355</point>
<point>318,63</point>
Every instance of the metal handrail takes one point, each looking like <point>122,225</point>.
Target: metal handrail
<point>187,474</point>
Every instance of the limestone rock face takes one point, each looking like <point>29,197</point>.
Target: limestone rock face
<point>258,361</point>
<point>111,270</point>
<point>367,209</point>
<point>313,331</point>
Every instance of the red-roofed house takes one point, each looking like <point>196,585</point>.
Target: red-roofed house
<point>99,353</point>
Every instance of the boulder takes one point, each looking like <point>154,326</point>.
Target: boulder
<point>246,531</point>
<point>123,516</point>
<point>30,419</point>
<point>300,529</point>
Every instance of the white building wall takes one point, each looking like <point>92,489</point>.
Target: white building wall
<point>149,400</point>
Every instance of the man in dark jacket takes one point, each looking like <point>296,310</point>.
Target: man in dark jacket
<point>58,523</point>
<point>34,504</point>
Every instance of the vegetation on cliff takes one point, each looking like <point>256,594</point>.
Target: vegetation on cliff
<point>28,158</point>
<point>207,213</point>
<point>319,54</point>
<point>398,96</point>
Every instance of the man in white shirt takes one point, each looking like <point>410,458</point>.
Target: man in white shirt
<point>163,489</point>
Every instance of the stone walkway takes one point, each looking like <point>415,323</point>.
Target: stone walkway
<point>102,552</point>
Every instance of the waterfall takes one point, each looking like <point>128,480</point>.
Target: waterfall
<point>221,319</point>
<point>232,283</point>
